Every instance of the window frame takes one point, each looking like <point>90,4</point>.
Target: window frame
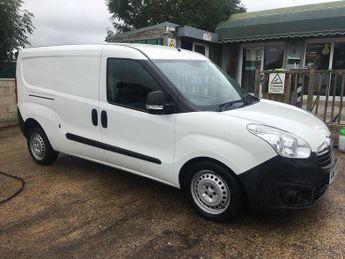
<point>283,46</point>
<point>262,48</point>
<point>261,45</point>
<point>333,51</point>
<point>320,41</point>
<point>144,67</point>
<point>207,49</point>
<point>323,40</point>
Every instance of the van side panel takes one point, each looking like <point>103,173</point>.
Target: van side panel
<point>58,87</point>
<point>38,73</point>
<point>76,92</point>
<point>36,99</point>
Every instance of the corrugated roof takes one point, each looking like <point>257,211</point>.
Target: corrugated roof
<point>148,28</point>
<point>327,19</point>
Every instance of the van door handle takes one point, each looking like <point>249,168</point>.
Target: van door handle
<point>94,117</point>
<point>104,119</point>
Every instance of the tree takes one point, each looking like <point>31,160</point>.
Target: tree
<point>15,25</point>
<point>203,14</point>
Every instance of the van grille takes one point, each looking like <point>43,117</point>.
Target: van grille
<point>318,191</point>
<point>326,156</point>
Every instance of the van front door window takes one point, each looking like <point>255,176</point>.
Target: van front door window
<point>128,83</point>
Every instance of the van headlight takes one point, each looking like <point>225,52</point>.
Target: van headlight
<point>284,143</point>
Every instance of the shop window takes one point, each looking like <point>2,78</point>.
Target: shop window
<point>187,45</point>
<point>201,48</point>
<point>251,61</point>
<point>317,55</point>
<point>339,56</point>
<point>274,57</point>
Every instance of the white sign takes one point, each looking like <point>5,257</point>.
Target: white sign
<point>276,83</point>
<point>207,36</point>
<point>171,43</point>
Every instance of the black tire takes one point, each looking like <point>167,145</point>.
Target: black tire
<point>42,153</point>
<point>219,198</point>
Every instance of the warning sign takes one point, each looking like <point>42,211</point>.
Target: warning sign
<point>171,43</point>
<point>276,83</point>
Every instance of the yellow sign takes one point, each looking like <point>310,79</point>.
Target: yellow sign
<point>171,43</point>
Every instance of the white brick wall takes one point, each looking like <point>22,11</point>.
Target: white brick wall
<point>8,106</point>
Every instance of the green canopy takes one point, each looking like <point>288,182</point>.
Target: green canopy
<point>317,20</point>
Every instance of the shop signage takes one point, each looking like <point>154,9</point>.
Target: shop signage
<point>276,83</point>
<point>149,41</point>
<point>207,36</point>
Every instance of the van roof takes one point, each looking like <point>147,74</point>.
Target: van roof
<point>151,51</point>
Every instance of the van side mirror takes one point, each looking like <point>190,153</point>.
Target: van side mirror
<point>156,103</point>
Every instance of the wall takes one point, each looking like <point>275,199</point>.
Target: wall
<point>8,106</point>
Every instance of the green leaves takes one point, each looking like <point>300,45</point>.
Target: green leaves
<point>15,24</point>
<point>203,14</point>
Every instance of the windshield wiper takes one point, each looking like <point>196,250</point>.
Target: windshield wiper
<point>246,100</point>
<point>224,106</point>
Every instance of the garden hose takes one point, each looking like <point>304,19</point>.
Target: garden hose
<point>18,191</point>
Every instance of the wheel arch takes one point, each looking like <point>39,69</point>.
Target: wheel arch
<point>185,168</point>
<point>29,124</point>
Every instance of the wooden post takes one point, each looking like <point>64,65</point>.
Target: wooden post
<point>288,86</point>
<point>265,86</point>
<point>327,96</point>
<point>318,95</point>
<point>301,93</point>
<point>295,92</point>
<point>310,89</point>
<point>257,83</point>
<point>341,98</point>
<point>333,99</point>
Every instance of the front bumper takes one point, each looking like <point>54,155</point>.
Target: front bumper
<point>282,183</point>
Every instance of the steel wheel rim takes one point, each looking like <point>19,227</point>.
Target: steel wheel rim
<point>210,192</point>
<point>37,146</point>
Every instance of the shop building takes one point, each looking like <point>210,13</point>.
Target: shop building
<point>301,37</point>
<point>174,35</point>
<point>310,36</point>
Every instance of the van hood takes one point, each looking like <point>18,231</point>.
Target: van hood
<point>286,117</point>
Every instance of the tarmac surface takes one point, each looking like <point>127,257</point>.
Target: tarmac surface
<point>76,208</point>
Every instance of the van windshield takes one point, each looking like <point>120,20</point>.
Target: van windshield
<point>204,84</point>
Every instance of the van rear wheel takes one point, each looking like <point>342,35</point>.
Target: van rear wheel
<point>213,191</point>
<point>39,147</point>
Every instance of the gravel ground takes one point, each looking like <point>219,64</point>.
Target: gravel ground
<point>77,208</point>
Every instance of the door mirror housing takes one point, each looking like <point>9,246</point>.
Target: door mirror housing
<point>156,103</point>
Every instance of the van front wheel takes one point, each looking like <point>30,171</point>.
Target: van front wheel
<point>213,191</point>
<point>39,147</point>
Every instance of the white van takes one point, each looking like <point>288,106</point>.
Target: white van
<point>173,116</point>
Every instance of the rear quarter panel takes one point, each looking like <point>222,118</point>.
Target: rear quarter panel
<point>35,91</point>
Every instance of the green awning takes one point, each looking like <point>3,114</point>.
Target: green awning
<point>318,20</point>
